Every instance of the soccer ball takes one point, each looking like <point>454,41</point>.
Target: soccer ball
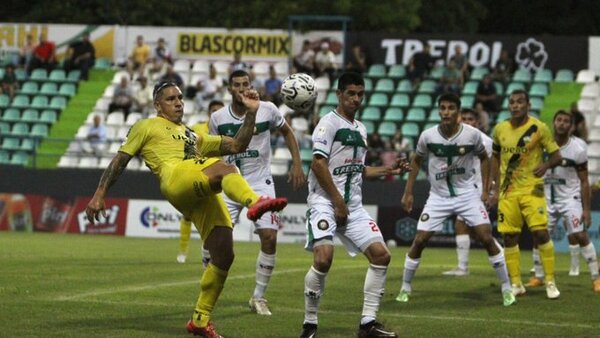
<point>299,91</point>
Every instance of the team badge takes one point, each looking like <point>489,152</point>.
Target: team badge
<point>461,150</point>
<point>424,217</point>
<point>322,225</point>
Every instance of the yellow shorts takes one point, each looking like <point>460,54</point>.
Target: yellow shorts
<point>514,210</point>
<point>188,190</point>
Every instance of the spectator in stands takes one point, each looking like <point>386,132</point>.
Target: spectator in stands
<point>44,55</point>
<point>122,97</point>
<point>451,81</point>
<point>161,57</point>
<point>26,52</point>
<point>402,145</point>
<point>210,88</point>
<point>486,94</point>
<point>238,64</point>
<point>81,55</point>
<point>325,62</point>
<point>419,66</point>
<point>483,117</point>
<point>304,62</point>
<point>96,138</point>
<point>9,84</point>
<point>172,76</point>
<point>143,96</point>
<point>272,87</point>
<point>461,62</point>
<point>357,60</point>
<point>140,55</point>
<point>579,126</point>
<point>504,68</point>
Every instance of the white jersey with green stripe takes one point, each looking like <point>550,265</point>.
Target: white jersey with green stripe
<point>562,181</point>
<point>344,144</point>
<point>453,162</point>
<point>255,162</point>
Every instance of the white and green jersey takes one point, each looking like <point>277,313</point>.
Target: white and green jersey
<point>453,162</point>
<point>255,162</point>
<point>562,182</point>
<point>344,145</point>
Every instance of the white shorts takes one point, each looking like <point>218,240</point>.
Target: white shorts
<point>437,209</point>
<point>570,210</point>
<point>360,230</point>
<point>480,190</point>
<point>270,220</point>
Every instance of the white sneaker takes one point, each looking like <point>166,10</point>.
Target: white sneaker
<point>518,289</point>
<point>551,291</point>
<point>574,271</point>
<point>181,258</point>
<point>259,305</point>
<point>458,272</point>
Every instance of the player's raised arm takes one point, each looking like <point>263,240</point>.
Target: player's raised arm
<point>109,177</point>
<point>239,143</point>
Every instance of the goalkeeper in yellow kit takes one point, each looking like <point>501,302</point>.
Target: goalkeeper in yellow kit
<point>191,180</point>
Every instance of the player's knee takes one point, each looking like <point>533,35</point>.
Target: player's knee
<point>541,236</point>
<point>322,264</point>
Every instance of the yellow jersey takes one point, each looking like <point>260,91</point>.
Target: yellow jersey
<point>164,144</point>
<point>521,151</point>
<point>200,128</point>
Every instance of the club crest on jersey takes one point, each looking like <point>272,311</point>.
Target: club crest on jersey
<point>323,224</point>
<point>563,162</point>
<point>424,217</point>
<point>461,150</point>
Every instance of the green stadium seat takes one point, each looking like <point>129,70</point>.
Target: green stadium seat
<point>397,72</point>
<point>478,73</point>
<point>58,75</point>
<point>29,88</point>
<point>470,88</point>
<point>376,70</point>
<point>10,143</point>
<point>385,85</point>
<point>434,115</point>
<point>400,100</point>
<point>371,114</point>
<point>543,75</point>
<point>11,115</point>
<point>103,63</point>
<point>393,114</point>
<point>39,74</point>
<point>19,158</point>
<point>415,115</point>
<point>21,74</point>
<point>4,157</point>
<point>4,128</point>
<point>39,129</point>
<point>387,129</point>
<point>20,128</point>
<point>58,102</point>
<point>68,89</point>
<point>378,100</point>
<point>370,126</point>
<point>331,98</point>
<point>422,101</point>
<point>368,85</point>
<point>514,86</point>
<point>4,101</point>
<point>48,116</point>
<point>564,75</point>
<point>427,87</point>
<point>306,155</point>
<point>499,88</point>
<point>437,72</point>
<point>521,75</point>
<point>27,144</point>
<point>410,129</point>
<point>429,125</point>
<point>74,76</point>
<point>49,88</point>
<point>39,102</point>
<point>537,103</point>
<point>20,102</point>
<point>324,110</point>
<point>538,89</point>
<point>467,101</point>
<point>404,86</point>
<point>503,115</point>
<point>30,115</point>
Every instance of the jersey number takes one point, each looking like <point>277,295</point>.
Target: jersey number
<point>374,226</point>
<point>501,217</point>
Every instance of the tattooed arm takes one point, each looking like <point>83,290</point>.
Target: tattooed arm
<point>238,144</point>
<point>109,177</point>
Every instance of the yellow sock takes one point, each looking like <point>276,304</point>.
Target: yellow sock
<point>211,285</point>
<point>547,258</point>
<point>237,188</point>
<point>185,231</point>
<point>512,255</point>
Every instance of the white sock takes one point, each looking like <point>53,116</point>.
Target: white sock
<point>537,263</point>
<point>499,264</point>
<point>314,286</point>
<point>463,243</point>
<point>575,250</point>
<point>589,253</point>
<point>410,268</point>
<point>205,257</point>
<point>265,264</point>
<point>373,291</point>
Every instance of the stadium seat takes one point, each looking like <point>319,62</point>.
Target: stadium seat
<point>404,86</point>
<point>11,115</point>
<point>10,143</point>
<point>427,87</point>
<point>201,66</point>
<point>430,125</point>
<point>410,129</point>
<point>437,72</point>
<point>4,157</point>
<point>393,114</point>
<point>115,118</point>
<point>102,63</point>
<point>385,85</point>
<point>19,158</point>
<point>415,115</point>
<point>88,162</point>
<point>467,101</point>
<point>591,90</point>
<point>322,84</point>
<point>538,89</point>
<point>39,130</point>
<point>400,100</point>
<point>434,115</point>
<point>521,75</point>
<point>376,70</point>
<point>132,118</point>
<point>282,68</point>
<point>27,144</point>
<point>499,87</point>
<point>29,88</point>
<point>537,103</point>
<point>586,76</point>
<point>279,168</point>
<point>39,102</point>
<point>68,89</point>
<point>370,126</point>
<point>478,73</point>
<point>49,88</point>
<point>4,101</point>
<point>371,114</point>
<point>20,102</point>
<point>543,75</point>
<point>422,101</point>
<point>4,128</point>
<point>58,75</point>
<point>58,102</point>
<point>21,74</point>
<point>368,85</point>
<point>503,115</point>
<point>397,72</point>
<point>324,110</point>
<point>39,74</point>
<point>514,86</point>
<point>378,100</point>
<point>586,105</point>
<point>306,155</point>
<point>331,98</point>
<point>564,75</point>
<point>387,129</point>
<point>48,116</point>
<point>30,115</point>
<point>181,65</point>
<point>470,88</point>
<point>282,153</point>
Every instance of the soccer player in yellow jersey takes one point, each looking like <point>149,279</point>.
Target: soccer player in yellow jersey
<point>185,227</point>
<point>191,181</point>
<point>518,165</point>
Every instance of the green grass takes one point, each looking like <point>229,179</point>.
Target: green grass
<point>55,285</point>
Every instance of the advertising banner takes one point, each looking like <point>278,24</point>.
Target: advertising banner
<point>113,224</point>
<point>154,218</point>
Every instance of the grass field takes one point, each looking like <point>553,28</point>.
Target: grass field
<point>75,285</point>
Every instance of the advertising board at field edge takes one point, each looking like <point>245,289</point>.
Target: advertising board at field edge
<point>154,218</point>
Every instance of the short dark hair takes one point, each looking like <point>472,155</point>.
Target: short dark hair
<point>214,103</point>
<point>350,78</point>
<point>520,91</point>
<point>160,86</point>
<point>470,111</point>
<point>449,97</point>
<point>564,112</point>
<point>237,73</point>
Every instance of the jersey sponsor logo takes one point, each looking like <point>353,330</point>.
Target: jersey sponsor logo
<point>515,150</point>
<point>555,180</point>
<point>451,172</point>
<point>245,154</point>
<point>351,168</point>
<point>515,160</point>
<point>323,225</point>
